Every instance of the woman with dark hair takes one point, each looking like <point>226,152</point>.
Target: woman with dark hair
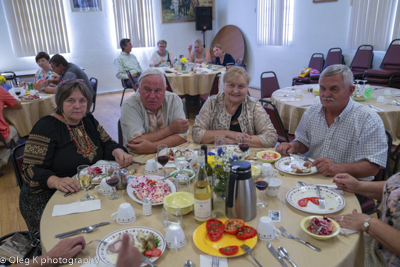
<point>44,73</point>
<point>58,144</point>
<point>222,58</point>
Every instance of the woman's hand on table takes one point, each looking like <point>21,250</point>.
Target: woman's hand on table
<point>354,221</point>
<point>346,182</point>
<point>235,136</point>
<point>65,184</point>
<point>128,255</point>
<point>122,158</point>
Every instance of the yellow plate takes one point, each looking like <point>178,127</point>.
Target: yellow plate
<point>306,222</point>
<point>261,153</point>
<point>203,243</point>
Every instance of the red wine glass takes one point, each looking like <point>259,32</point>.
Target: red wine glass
<point>163,157</point>
<point>244,144</point>
<point>112,181</point>
<point>261,185</point>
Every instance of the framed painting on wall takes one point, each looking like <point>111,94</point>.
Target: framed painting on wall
<point>181,10</point>
<point>85,5</point>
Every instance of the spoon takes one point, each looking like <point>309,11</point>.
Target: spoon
<point>188,263</point>
<point>282,251</point>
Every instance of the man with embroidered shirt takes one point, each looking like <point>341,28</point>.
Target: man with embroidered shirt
<point>153,116</point>
<point>125,61</point>
<point>341,135</point>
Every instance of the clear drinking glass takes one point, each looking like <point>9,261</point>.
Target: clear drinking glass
<point>85,180</point>
<point>261,185</point>
<point>171,215</point>
<point>182,159</point>
<point>163,157</point>
<point>219,141</point>
<point>112,181</point>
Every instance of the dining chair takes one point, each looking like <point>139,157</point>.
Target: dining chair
<point>125,85</point>
<point>388,74</point>
<point>316,62</point>
<point>6,145</point>
<point>362,60</point>
<point>120,136</point>
<point>283,135</point>
<point>333,57</point>
<point>17,158</point>
<point>93,83</point>
<point>169,89</point>
<point>368,205</point>
<point>214,89</point>
<point>269,84</point>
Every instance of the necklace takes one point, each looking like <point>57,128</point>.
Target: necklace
<point>76,141</point>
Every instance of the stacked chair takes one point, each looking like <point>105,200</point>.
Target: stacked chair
<point>269,84</point>
<point>388,74</point>
<point>362,60</point>
<point>316,62</point>
<point>333,57</point>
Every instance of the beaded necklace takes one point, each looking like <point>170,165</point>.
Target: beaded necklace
<point>89,148</point>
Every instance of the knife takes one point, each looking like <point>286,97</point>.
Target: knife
<point>273,251</point>
<point>74,232</point>
<point>146,260</point>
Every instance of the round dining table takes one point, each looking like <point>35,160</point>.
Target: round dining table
<point>292,108</point>
<point>24,119</point>
<point>342,250</point>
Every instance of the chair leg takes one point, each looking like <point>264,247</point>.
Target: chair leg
<point>122,98</point>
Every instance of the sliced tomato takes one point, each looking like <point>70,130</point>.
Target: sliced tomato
<point>215,233</point>
<point>154,252</point>
<point>171,158</point>
<point>214,223</point>
<point>303,202</point>
<point>233,226</point>
<point>314,200</point>
<point>246,232</point>
<point>231,250</point>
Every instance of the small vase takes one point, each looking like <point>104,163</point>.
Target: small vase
<point>183,66</point>
<point>220,184</point>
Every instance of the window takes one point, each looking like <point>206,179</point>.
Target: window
<point>36,25</point>
<point>134,20</point>
<point>274,22</point>
<point>373,22</point>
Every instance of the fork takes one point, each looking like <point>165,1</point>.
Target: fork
<point>288,235</point>
<point>96,241</point>
<point>215,261</point>
<point>321,200</point>
<point>248,251</point>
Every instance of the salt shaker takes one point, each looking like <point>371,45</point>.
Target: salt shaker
<point>123,174</point>
<point>146,202</point>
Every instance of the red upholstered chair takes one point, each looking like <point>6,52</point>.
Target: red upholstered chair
<point>316,62</point>
<point>214,89</point>
<point>133,86</point>
<point>362,60</point>
<point>272,111</point>
<point>269,84</point>
<point>333,57</point>
<point>17,158</point>
<point>368,205</point>
<point>389,72</point>
<point>169,89</point>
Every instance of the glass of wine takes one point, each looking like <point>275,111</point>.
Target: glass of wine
<point>261,185</point>
<point>163,157</point>
<point>17,91</point>
<point>171,215</point>
<point>244,144</point>
<point>112,181</point>
<point>85,180</point>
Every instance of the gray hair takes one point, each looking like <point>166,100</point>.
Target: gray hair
<point>234,72</point>
<point>65,89</point>
<point>346,73</point>
<point>152,72</point>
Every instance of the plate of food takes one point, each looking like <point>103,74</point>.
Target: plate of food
<point>227,237</point>
<point>305,198</point>
<point>30,98</point>
<point>173,150</point>
<point>150,186</point>
<point>295,166</point>
<point>268,156</point>
<point>100,171</point>
<point>359,98</point>
<point>235,149</point>
<point>150,242</point>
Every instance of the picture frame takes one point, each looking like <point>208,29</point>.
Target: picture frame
<point>85,5</point>
<point>321,1</point>
<point>181,10</point>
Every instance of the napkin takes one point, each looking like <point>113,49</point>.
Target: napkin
<point>205,261</point>
<point>76,207</point>
<point>345,231</point>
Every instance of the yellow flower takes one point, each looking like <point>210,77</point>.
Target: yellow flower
<point>2,79</point>
<point>184,60</point>
<point>211,161</point>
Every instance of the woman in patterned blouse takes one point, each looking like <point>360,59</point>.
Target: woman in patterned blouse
<point>58,144</point>
<point>233,113</point>
<point>44,73</point>
<point>382,241</point>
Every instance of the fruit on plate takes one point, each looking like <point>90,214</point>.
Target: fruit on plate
<point>304,201</point>
<point>214,223</point>
<point>233,226</point>
<point>231,250</point>
<point>215,233</point>
<point>246,232</point>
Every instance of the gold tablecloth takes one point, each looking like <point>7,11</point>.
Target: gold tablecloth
<point>24,119</point>
<point>338,251</point>
<point>192,84</point>
<point>292,111</point>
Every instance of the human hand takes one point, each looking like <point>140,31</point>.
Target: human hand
<point>353,221</point>
<point>122,158</point>
<point>161,61</point>
<point>346,182</point>
<point>142,146</point>
<point>66,184</point>
<point>37,86</point>
<point>23,83</point>
<point>235,136</point>
<point>128,255</point>
<point>285,148</point>
<point>45,83</point>
<point>179,126</point>
<point>230,141</point>
<point>190,48</point>
<point>67,248</point>
<point>198,61</point>
<point>326,167</point>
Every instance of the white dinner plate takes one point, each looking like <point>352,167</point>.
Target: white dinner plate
<point>236,150</point>
<point>174,149</point>
<point>130,190</point>
<point>110,259</point>
<point>98,177</point>
<point>283,167</point>
<point>333,201</point>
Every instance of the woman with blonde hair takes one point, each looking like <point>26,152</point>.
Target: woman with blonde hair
<point>222,58</point>
<point>233,113</point>
<point>200,54</point>
<point>162,55</point>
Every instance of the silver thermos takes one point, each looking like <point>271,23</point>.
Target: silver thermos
<point>241,198</point>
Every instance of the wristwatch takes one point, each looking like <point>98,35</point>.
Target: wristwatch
<point>366,224</point>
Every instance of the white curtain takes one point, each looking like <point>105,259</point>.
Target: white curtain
<point>36,25</point>
<point>373,22</point>
<point>134,20</point>
<point>274,22</point>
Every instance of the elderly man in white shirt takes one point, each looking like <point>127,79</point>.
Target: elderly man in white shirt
<point>343,136</point>
<point>153,116</point>
<point>125,61</point>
